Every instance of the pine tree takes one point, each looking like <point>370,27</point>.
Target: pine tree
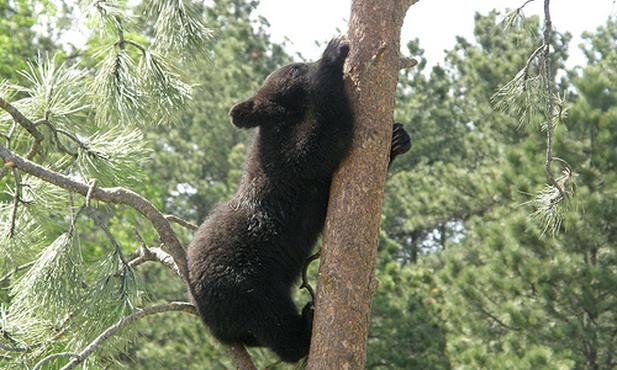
<point>72,126</point>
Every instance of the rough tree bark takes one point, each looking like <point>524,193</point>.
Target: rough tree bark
<point>346,280</point>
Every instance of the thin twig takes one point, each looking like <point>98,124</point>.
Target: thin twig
<point>55,131</point>
<point>520,8</point>
<point>305,283</point>
<point>91,186</point>
<point>40,364</point>
<point>137,45</point>
<point>533,56</point>
<point>182,222</point>
<point>21,119</point>
<point>139,238</point>
<point>144,254</point>
<point>15,203</point>
<point>13,349</point>
<point>92,214</point>
<point>156,255</point>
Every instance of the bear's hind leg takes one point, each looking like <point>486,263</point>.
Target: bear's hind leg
<point>285,332</point>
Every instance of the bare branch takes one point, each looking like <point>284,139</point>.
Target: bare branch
<point>182,222</point>
<point>241,358</point>
<point>40,364</point>
<point>533,56</point>
<point>546,63</point>
<point>100,223</point>
<point>305,283</point>
<point>407,62</point>
<point>136,45</point>
<point>13,349</point>
<point>154,254</point>
<point>55,131</point>
<point>109,195</point>
<point>520,8</point>
<point>550,106</point>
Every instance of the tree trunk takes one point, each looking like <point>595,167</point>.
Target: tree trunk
<point>347,269</point>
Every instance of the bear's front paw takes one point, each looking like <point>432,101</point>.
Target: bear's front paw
<point>401,142</point>
<point>337,49</point>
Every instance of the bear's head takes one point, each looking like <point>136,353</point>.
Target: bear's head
<point>285,96</point>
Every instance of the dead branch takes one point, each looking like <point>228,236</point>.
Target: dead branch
<point>154,254</point>
<point>407,62</point>
<point>182,222</point>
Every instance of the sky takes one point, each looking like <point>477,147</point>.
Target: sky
<point>434,22</point>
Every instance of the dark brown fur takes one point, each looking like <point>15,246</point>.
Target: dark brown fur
<point>248,253</point>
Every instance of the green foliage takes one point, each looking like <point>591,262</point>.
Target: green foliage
<point>16,37</point>
<point>199,162</point>
<point>82,119</point>
<point>511,297</point>
<point>405,331</point>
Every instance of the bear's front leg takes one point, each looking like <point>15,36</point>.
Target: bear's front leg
<point>335,53</point>
<point>401,142</point>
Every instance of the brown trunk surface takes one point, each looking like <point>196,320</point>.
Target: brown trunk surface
<point>347,268</point>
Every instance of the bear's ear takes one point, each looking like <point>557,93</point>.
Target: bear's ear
<point>252,113</point>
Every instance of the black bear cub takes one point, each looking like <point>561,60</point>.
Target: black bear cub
<point>246,256</point>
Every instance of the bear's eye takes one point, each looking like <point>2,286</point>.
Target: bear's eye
<point>297,70</point>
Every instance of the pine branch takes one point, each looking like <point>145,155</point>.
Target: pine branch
<point>524,97</point>
<point>8,276</point>
<point>121,196</point>
<point>26,124</point>
<point>100,224</point>
<point>112,330</point>
<point>546,63</point>
<point>38,344</point>
<point>55,131</point>
<point>550,200</point>
<point>108,195</point>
